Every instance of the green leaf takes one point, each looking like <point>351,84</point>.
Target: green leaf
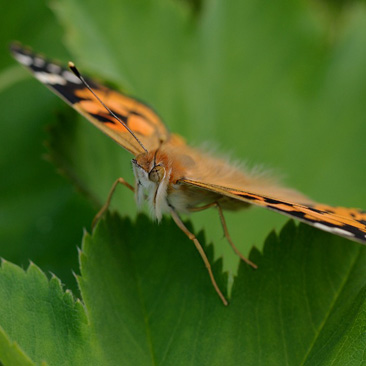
<point>46,323</point>
<point>149,301</point>
<point>155,287</point>
<point>11,354</point>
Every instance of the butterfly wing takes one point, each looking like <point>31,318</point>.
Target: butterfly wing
<point>346,222</point>
<point>140,118</point>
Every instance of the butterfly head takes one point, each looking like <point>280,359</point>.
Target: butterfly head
<point>152,179</point>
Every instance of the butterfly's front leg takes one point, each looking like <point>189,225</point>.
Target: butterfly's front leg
<point>110,195</point>
<point>226,231</point>
<point>192,237</point>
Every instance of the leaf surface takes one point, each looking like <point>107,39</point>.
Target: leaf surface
<point>148,301</point>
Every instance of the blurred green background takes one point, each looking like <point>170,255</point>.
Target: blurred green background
<point>277,84</point>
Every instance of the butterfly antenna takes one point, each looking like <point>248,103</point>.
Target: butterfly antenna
<point>79,76</point>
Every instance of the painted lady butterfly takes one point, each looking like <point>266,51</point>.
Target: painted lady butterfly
<point>174,177</point>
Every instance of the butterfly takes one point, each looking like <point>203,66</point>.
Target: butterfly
<point>173,177</point>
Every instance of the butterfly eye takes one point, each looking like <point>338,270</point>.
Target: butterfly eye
<point>157,174</point>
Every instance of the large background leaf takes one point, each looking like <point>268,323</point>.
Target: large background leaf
<point>149,301</point>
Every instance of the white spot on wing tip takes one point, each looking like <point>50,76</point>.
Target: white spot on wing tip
<point>69,76</point>
<point>23,59</point>
<point>51,79</point>
<point>55,69</point>
<point>39,62</point>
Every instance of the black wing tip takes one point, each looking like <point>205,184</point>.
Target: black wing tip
<point>33,60</point>
<point>17,47</point>
<point>23,54</point>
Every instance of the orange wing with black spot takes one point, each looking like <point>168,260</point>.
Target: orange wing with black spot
<point>347,222</point>
<point>140,118</point>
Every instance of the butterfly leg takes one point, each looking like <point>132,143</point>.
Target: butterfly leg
<point>110,195</point>
<point>228,238</point>
<point>226,231</point>
<point>192,237</point>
